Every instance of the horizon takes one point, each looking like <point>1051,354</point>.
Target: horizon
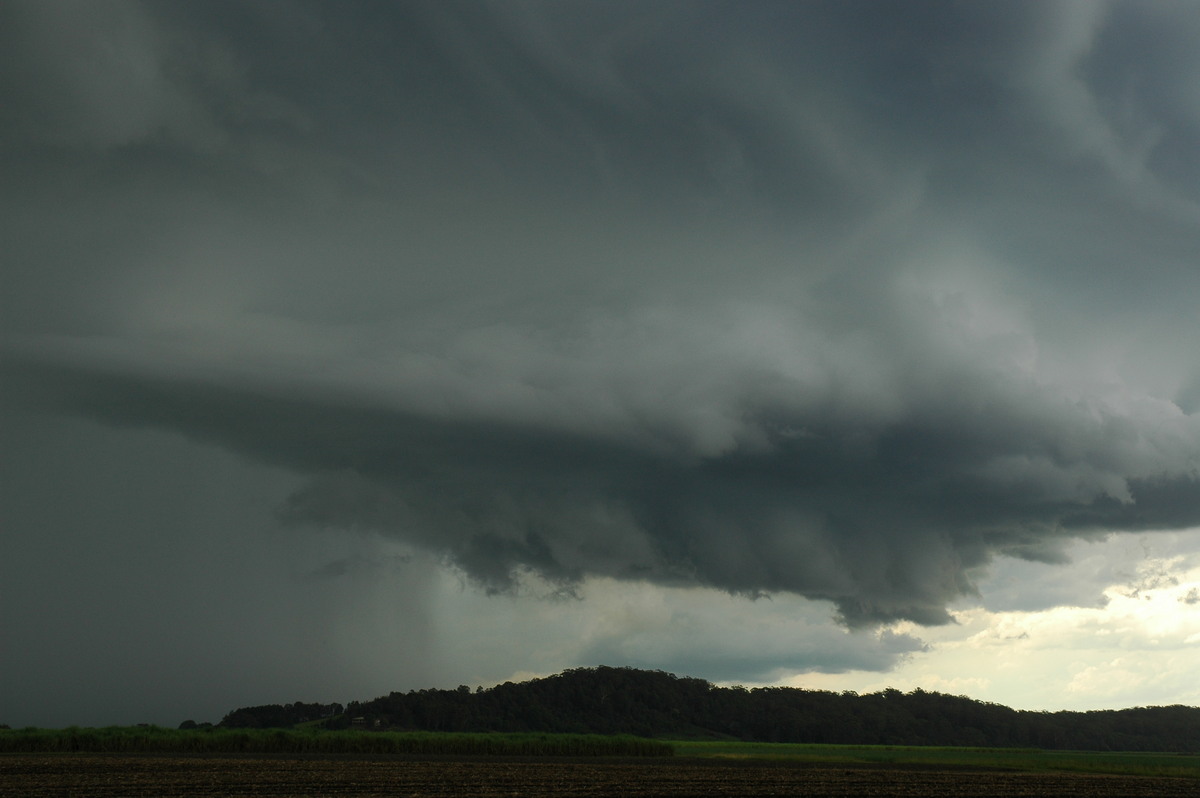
<point>357,347</point>
<point>530,678</point>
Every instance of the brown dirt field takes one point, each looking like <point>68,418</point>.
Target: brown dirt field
<point>98,776</point>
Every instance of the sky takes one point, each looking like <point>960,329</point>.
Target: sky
<point>356,347</point>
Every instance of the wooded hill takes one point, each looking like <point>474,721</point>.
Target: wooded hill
<point>607,700</point>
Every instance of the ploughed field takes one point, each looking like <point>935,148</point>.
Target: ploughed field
<point>102,775</point>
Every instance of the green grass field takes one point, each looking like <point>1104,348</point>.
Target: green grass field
<point>153,739</point>
<point>1033,760</point>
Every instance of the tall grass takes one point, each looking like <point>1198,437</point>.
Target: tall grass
<point>154,739</point>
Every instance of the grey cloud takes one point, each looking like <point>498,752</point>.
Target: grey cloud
<point>1130,564</point>
<point>761,297</point>
<point>345,566</point>
<point>92,74</point>
<point>121,74</point>
<point>883,509</point>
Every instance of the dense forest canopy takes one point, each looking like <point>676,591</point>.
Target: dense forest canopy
<point>607,700</point>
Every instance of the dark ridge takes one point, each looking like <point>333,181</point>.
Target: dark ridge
<point>606,700</point>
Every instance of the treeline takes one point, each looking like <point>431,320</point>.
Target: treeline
<point>271,716</point>
<point>609,700</point>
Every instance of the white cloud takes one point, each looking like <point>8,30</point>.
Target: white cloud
<point>1141,647</point>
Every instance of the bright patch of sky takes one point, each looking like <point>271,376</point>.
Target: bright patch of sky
<point>1118,626</point>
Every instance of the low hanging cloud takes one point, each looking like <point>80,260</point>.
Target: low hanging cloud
<point>694,464</point>
<point>569,294</point>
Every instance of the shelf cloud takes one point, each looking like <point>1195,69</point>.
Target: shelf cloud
<point>840,300</point>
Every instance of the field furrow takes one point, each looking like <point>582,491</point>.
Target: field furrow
<point>101,776</point>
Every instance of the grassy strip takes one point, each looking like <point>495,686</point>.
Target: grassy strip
<point>1020,759</point>
<point>153,739</point>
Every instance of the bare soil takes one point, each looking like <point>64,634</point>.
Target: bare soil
<point>99,776</point>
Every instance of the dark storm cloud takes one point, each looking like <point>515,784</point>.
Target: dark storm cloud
<point>837,299</point>
<point>883,516</point>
